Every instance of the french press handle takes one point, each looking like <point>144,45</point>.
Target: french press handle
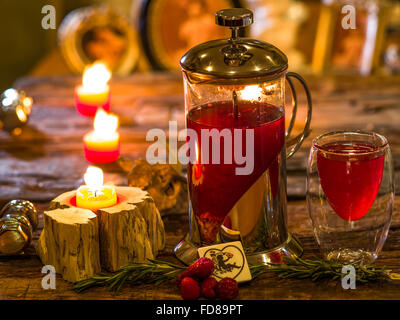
<point>293,144</point>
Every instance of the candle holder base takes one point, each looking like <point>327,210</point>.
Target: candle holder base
<point>89,110</point>
<point>97,157</point>
<point>79,242</point>
<point>186,251</point>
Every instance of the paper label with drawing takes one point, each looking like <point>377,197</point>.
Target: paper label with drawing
<point>229,260</point>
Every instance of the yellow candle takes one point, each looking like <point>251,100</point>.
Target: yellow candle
<point>102,144</point>
<point>93,142</point>
<point>94,195</point>
<point>94,89</point>
<point>104,137</point>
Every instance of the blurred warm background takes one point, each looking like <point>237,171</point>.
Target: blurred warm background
<point>143,35</point>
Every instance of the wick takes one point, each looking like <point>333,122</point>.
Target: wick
<point>235,104</point>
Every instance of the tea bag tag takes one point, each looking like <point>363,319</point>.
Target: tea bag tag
<point>229,260</point>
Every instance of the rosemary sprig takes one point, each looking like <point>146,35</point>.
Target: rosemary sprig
<point>151,272</point>
<point>157,272</point>
<point>317,269</point>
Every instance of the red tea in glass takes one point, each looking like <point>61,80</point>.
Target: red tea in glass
<point>350,194</point>
<point>350,175</point>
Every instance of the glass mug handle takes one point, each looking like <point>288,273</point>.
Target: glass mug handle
<point>293,144</point>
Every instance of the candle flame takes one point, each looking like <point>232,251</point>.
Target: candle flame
<point>251,93</point>
<point>197,177</point>
<point>197,153</point>
<point>95,77</point>
<point>27,102</point>
<point>93,177</point>
<point>21,114</point>
<point>105,125</point>
<point>271,87</point>
<point>10,96</point>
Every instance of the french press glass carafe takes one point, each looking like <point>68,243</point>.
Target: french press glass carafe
<point>238,144</point>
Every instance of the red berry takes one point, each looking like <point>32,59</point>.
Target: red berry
<point>227,289</point>
<point>180,277</point>
<point>208,288</point>
<point>190,289</point>
<point>202,268</point>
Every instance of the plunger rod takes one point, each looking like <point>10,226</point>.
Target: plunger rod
<point>235,104</point>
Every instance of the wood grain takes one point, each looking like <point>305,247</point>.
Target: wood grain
<point>47,160</point>
<point>70,242</point>
<point>24,281</point>
<point>132,230</point>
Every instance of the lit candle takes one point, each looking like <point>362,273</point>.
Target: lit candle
<point>94,195</point>
<point>94,92</point>
<point>251,93</point>
<point>102,144</point>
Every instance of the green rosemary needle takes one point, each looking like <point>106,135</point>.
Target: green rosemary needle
<point>151,272</point>
<point>157,272</point>
<point>317,269</point>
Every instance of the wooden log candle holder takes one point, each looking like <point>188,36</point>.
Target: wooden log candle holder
<point>78,242</point>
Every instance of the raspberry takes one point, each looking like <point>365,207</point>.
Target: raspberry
<point>208,288</point>
<point>201,269</point>
<point>227,289</point>
<point>180,277</point>
<point>190,289</point>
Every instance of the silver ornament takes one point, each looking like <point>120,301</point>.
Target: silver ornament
<point>18,220</point>
<point>15,108</point>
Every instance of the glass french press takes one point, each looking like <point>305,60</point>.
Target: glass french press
<point>235,118</point>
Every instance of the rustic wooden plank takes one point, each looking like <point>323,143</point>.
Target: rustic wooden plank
<point>47,160</point>
<point>49,151</point>
<point>24,281</point>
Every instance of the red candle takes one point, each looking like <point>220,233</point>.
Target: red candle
<point>102,145</point>
<point>94,91</point>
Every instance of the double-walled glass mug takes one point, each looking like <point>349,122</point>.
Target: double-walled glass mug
<point>350,194</point>
<point>235,117</point>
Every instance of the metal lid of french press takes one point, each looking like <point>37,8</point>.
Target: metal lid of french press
<point>235,57</point>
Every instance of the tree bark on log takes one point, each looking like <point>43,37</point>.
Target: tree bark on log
<point>70,242</point>
<point>132,230</point>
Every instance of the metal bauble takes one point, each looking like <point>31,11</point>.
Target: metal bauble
<point>15,108</point>
<point>18,219</point>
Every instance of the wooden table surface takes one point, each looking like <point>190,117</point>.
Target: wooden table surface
<point>47,159</point>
